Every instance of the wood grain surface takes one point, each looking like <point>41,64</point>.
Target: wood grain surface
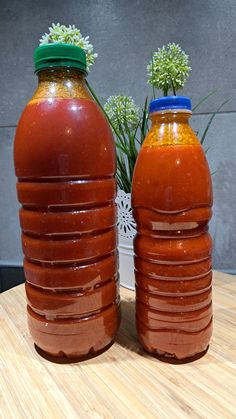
<point>124,381</point>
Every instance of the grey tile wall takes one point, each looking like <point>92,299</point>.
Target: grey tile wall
<point>124,33</point>
<point>221,155</point>
<point>10,246</point>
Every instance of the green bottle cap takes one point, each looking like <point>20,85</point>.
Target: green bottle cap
<point>59,55</point>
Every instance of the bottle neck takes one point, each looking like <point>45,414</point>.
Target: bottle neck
<point>170,127</point>
<point>171,116</point>
<point>61,82</point>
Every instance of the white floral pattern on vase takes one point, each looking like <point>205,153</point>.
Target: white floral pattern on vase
<point>126,231</point>
<point>126,224</point>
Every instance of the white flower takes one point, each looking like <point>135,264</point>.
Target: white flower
<point>122,111</point>
<point>168,68</point>
<point>69,35</point>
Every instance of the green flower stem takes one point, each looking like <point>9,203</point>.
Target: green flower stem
<point>165,91</point>
<point>173,87</point>
<point>123,176</point>
<point>100,105</point>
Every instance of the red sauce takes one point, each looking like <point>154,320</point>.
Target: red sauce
<point>172,198</point>
<point>65,164</point>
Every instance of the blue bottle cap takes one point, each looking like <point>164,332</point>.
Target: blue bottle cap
<point>170,102</point>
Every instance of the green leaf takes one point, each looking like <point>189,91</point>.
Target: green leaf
<point>211,120</point>
<point>144,121</point>
<point>204,99</point>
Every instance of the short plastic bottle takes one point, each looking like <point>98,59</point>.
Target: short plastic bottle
<point>172,200</point>
<point>65,163</point>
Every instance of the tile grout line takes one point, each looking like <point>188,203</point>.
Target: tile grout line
<point>210,113</point>
<point>8,126</point>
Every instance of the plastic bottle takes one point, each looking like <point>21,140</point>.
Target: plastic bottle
<point>172,199</point>
<point>65,163</point>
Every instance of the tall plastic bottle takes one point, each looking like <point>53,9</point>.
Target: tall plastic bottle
<point>65,163</point>
<point>172,199</point>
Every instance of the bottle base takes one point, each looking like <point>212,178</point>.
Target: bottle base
<point>175,344</point>
<point>74,338</point>
<point>62,358</point>
<point>172,359</point>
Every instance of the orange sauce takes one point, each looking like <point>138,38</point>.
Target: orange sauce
<point>172,199</point>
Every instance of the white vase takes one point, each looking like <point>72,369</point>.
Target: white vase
<point>126,232</point>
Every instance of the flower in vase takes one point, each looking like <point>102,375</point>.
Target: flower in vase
<point>69,35</point>
<point>168,69</point>
<point>122,112</point>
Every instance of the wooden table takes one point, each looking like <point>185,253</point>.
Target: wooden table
<point>123,382</point>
